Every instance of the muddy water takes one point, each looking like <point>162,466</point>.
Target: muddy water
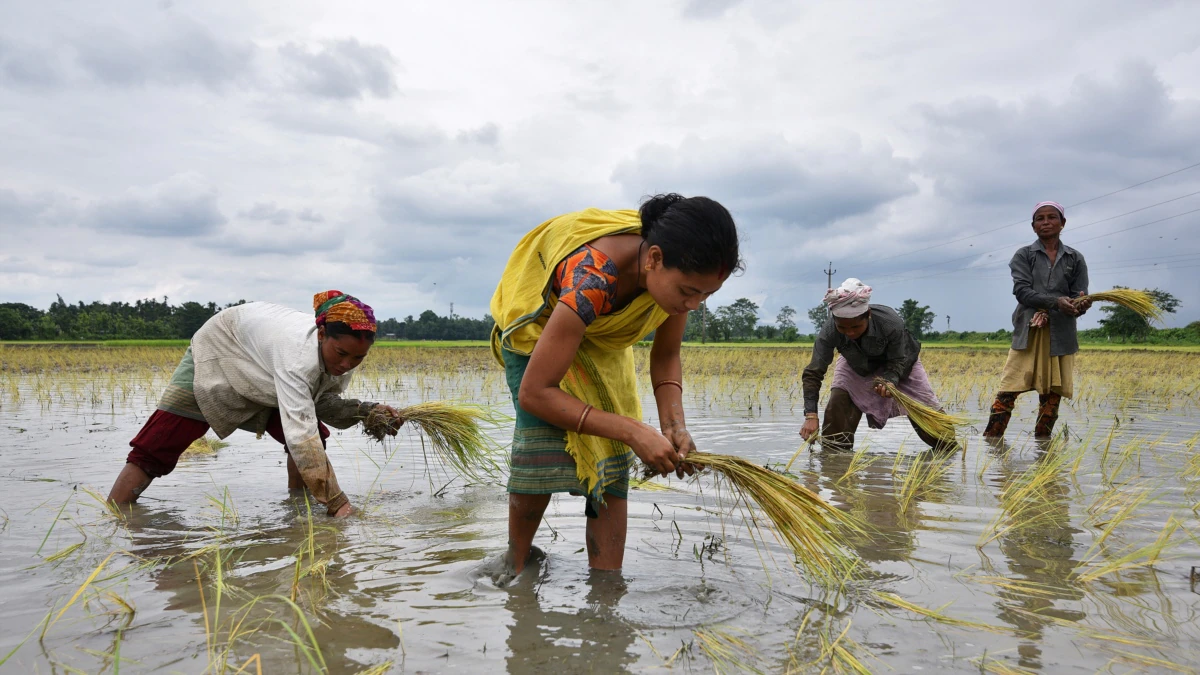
<point>405,582</point>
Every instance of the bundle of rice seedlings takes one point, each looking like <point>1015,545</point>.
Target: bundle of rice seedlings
<point>453,430</point>
<point>814,530</point>
<point>204,445</point>
<point>1140,302</point>
<point>941,425</point>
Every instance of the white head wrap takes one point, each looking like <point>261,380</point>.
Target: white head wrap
<point>848,300</point>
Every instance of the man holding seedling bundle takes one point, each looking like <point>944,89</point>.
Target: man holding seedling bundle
<point>262,367</point>
<point>874,344</point>
<point>1048,279</point>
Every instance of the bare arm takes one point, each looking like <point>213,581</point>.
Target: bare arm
<point>666,367</point>
<point>814,372</point>
<point>541,396</point>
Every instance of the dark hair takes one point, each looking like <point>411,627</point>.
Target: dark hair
<point>336,329</point>
<point>696,234</point>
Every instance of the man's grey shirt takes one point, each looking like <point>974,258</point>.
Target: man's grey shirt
<point>886,348</point>
<point>1038,285</point>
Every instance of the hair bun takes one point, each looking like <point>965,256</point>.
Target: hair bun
<point>653,208</point>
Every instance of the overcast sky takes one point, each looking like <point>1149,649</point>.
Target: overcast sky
<point>397,150</point>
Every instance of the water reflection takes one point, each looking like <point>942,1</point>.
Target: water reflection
<point>1039,551</point>
<point>257,568</point>
<point>548,637</point>
<point>887,498</point>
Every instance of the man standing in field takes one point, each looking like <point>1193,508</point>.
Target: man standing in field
<point>1047,276</point>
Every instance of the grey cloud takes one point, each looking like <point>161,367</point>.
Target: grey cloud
<point>184,205</point>
<point>276,215</point>
<point>28,66</point>
<point>1095,134</point>
<point>773,179</point>
<point>188,54</point>
<point>268,229</point>
<point>310,216</point>
<point>267,212</point>
<point>707,9</point>
<point>449,230</point>
<point>18,209</point>
<point>403,149</point>
<point>488,134</point>
<point>497,196</point>
<point>342,69</point>
<point>262,240</point>
<point>92,256</point>
<point>454,264</point>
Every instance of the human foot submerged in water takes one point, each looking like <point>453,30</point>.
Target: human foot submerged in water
<point>502,571</point>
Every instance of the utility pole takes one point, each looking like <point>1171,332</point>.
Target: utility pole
<point>829,272</point>
<point>452,310</point>
<point>703,322</point>
<point>829,275</point>
<point>947,323</point>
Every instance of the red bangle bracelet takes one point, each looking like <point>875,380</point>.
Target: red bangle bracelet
<point>669,382</point>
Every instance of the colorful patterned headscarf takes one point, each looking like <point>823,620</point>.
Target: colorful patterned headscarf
<point>1061,211</point>
<point>848,300</point>
<point>339,307</point>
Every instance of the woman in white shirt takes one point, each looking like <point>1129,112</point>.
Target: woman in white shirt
<point>263,368</point>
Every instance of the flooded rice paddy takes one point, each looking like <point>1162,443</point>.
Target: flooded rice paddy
<point>1079,555</point>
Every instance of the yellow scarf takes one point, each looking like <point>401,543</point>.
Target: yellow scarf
<point>602,373</point>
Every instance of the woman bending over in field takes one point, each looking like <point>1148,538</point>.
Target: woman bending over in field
<point>263,367</point>
<point>578,292</point>
<point>874,343</point>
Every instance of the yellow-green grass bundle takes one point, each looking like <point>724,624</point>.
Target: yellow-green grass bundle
<point>452,429</point>
<point>1140,302</point>
<point>813,529</point>
<point>941,425</point>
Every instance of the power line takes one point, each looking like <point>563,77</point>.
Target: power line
<point>1123,270</point>
<point>1074,228</point>
<point>1093,265</point>
<point>1100,236</point>
<point>1005,248</point>
<point>1021,222</point>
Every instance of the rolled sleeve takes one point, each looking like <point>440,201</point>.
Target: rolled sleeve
<point>342,413</point>
<point>897,358</point>
<point>1079,282</point>
<point>814,372</point>
<point>298,417</point>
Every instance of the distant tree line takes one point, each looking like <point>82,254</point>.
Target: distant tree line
<point>430,326</point>
<point>143,320</point>
<point>738,321</point>
<point>158,320</point>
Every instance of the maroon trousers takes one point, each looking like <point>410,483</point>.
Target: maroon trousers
<point>164,437</point>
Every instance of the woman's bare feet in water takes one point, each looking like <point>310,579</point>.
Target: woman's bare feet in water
<point>503,572</point>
